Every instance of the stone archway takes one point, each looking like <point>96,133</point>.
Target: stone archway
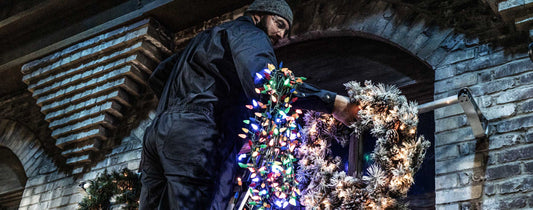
<point>21,154</point>
<point>24,144</point>
<point>330,58</point>
<point>12,179</point>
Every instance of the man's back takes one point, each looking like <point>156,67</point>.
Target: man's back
<point>218,63</point>
<point>192,142</point>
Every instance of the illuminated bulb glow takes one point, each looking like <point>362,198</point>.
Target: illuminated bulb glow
<point>241,156</point>
<point>258,76</point>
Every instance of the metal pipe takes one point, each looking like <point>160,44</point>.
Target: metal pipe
<point>474,116</point>
<point>430,106</point>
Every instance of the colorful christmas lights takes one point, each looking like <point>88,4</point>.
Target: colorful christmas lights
<point>270,160</point>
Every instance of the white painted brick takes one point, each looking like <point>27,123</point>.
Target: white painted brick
<point>46,196</point>
<point>453,206</point>
<point>76,198</point>
<point>34,207</point>
<point>456,82</point>
<point>447,111</point>
<point>446,181</point>
<point>502,111</point>
<point>458,164</point>
<point>454,136</point>
<point>450,123</point>
<point>38,180</point>
<point>515,95</point>
<point>25,201</point>
<point>459,194</point>
<point>35,198</point>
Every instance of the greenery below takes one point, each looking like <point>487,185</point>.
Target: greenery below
<point>123,187</point>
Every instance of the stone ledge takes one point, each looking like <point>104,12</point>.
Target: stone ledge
<point>133,55</point>
<point>511,8</point>
<point>103,119</point>
<point>97,132</point>
<point>85,89</point>
<point>85,43</point>
<point>86,54</point>
<point>524,23</point>
<point>118,95</point>
<point>93,145</point>
<point>110,107</point>
<point>123,83</point>
<point>77,160</point>
<point>129,71</point>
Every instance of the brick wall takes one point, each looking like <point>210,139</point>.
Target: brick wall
<point>493,173</point>
<point>55,189</point>
<point>68,88</point>
<point>49,185</point>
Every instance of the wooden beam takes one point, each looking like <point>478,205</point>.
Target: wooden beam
<point>35,10</point>
<point>19,61</point>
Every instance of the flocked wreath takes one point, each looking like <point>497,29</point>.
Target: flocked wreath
<point>398,154</point>
<point>278,147</point>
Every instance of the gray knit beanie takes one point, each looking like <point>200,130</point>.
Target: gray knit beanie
<point>277,7</point>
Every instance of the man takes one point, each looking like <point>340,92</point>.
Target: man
<point>189,149</point>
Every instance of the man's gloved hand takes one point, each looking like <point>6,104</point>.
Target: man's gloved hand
<point>345,111</point>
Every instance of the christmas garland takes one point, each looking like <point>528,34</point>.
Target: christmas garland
<point>398,154</point>
<point>272,136</point>
<point>115,188</point>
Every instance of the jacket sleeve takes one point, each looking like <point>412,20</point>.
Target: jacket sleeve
<point>314,98</point>
<point>252,52</point>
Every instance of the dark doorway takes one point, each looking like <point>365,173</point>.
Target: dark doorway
<point>12,179</point>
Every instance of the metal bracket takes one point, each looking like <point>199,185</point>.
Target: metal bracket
<point>477,121</point>
<point>530,51</point>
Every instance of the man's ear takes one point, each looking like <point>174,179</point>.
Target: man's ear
<point>256,18</point>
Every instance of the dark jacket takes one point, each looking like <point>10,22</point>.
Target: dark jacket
<point>201,109</point>
<point>220,61</point>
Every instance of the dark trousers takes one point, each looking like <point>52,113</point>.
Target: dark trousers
<point>182,164</point>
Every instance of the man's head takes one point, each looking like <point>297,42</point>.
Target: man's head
<point>274,26</point>
<point>273,16</point>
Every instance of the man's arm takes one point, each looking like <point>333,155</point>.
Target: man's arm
<point>252,52</point>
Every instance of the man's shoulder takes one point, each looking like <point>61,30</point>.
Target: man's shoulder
<point>240,25</point>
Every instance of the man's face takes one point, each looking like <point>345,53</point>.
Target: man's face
<point>274,26</point>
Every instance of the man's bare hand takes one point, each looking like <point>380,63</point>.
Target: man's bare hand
<point>345,111</point>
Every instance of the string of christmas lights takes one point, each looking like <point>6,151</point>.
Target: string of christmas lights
<point>273,135</point>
